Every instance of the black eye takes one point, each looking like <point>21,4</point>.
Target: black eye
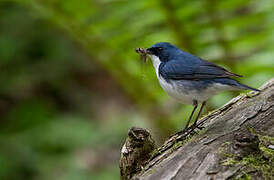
<point>155,50</point>
<point>158,49</point>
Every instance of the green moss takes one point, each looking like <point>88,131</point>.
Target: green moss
<point>224,151</point>
<point>208,113</point>
<point>245,177</point>
<point>262,162</point>
<point>229,162</point>
<point>202,131</point>
<point>177,145</point>
<point>266,139</point>
<point>154,152</point>
<point>257,162</point>
<point>252,131</point>
<point>269,153</point>
<point>251,94</point>
<point>243,94</point>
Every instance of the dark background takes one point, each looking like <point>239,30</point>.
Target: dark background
<point>71,84</point>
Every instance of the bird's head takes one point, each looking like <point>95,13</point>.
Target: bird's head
<point>162,50</point>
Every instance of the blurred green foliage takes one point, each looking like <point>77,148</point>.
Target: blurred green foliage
<point>72,84</point>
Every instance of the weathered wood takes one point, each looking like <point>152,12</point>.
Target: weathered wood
<point>136,151</point>
<point>236,142</point>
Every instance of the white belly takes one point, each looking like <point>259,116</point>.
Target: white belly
<point>182,93</point>
<point>175,92</point>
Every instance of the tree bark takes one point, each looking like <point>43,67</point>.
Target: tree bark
<point>237,142</point>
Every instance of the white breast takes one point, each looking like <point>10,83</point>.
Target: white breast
<point>170,88</point>
<point>156,63</point>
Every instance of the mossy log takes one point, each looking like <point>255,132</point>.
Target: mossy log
<point>236,143</point>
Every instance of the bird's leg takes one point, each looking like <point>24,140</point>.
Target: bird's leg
<point>195,104</point>
<point>199,113</point>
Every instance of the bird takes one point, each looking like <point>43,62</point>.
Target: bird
<point>189,79</point>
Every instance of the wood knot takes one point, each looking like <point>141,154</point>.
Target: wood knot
<point>136,151</point>
<point>245,143</point>
<point>138,136</point>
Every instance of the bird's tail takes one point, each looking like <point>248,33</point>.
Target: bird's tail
<point>246,87</point>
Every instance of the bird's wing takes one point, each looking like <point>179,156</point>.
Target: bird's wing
<point>176,70</point>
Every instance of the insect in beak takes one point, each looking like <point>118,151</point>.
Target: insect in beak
<point>143,53</point>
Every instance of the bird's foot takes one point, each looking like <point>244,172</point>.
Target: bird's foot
<point>200,127</point>
<point>191,130</point>
<point>185,131</point>
<point>179,133</point>
<point>197,126</point>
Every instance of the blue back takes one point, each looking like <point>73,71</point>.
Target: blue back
<point>177,64</point>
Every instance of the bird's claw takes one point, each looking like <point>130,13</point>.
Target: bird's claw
<point>197,126</point>
<point>192,128</point>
